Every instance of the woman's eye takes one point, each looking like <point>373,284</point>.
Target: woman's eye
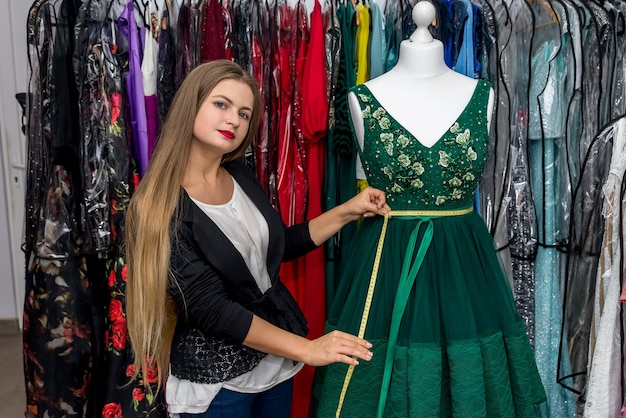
<point>221,105</point>
<point>244,116</point>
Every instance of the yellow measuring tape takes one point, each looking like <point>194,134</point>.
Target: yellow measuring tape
<point>374,275</point>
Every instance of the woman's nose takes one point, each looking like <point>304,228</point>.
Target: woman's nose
<point>233,118</point>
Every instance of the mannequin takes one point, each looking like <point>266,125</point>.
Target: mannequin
<point>420,84</point>
<point>425,284</point>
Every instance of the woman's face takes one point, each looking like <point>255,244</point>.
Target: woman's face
<point>223,119</point>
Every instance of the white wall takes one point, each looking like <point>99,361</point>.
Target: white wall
<point>13,79</point>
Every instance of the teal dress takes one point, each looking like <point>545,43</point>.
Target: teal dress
<point>426,288</point>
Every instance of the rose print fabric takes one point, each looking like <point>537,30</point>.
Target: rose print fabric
<point>81,176</point>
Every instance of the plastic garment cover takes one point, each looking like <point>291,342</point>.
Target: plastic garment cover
<point>512,97</point>
<point>492,181</point>
<point>57,327</point>
<point>544,113</point>
<point>488,53</point>
<point>182,36</point>
<point>240,31</point>
<point>166,62</point>
<point>485,65</point>
<point>586,236</point>
<point>515,61</point>
<point>523,232</point>
<point>591,83</point>
<point>37,139</point>
<point>606,50</point>
<point>603,394</point>
<point>196,24</point>
<point>617,13</point>
<point>571,48</point>
<point>342,142</point>
<point>105,154</point>
<point>333,39</point>
<point>56,221</point>
<point>228,30</point>
<point>546,110</point>
<point>242,44</point>
<point>551,192</point>
<point>260,62</point>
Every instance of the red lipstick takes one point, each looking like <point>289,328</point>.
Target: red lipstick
<point>228,134</point>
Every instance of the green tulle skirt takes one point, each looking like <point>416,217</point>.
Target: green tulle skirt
<point>459,348</point>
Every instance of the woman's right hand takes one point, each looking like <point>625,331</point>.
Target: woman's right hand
<point>338,346</point>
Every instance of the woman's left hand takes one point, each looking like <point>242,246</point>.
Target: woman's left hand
<point>370,202</point>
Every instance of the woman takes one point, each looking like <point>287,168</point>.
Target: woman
<point>204,247</point>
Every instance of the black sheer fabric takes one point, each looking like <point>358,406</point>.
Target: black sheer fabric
<point>586,232</point>
<point>166,65</point>
<point>58,319</point>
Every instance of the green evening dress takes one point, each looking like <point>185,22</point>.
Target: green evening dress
<point>426,287</point>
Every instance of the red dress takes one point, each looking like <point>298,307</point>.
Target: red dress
<point>213,43</point>
<point>291,179</point>
<point>311,127</point>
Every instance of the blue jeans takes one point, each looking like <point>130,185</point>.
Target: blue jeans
<point>273,403</point>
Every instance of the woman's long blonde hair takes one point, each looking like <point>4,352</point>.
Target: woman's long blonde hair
<point>152,218</point>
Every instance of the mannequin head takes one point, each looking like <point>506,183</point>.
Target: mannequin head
<point>423,15</point>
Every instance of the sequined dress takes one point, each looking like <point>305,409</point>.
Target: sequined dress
<point>426,288</point>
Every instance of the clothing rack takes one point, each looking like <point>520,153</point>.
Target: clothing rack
<point>557,68</point>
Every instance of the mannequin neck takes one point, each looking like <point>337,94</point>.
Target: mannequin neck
<point>421,59</point>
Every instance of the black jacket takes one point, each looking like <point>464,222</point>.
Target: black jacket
<point>216,295</point>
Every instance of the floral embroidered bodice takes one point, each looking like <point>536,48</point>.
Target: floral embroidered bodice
<point>416,177</point>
